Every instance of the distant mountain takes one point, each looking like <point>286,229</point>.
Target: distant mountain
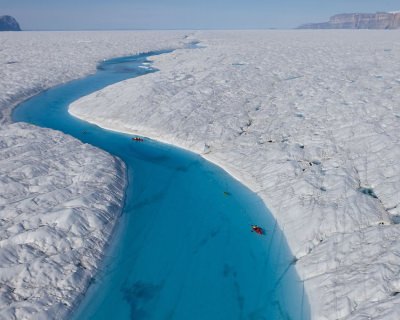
<point>8,23</point>
<point>379,20</point>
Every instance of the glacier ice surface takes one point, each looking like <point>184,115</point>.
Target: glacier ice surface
<point>310,120</point>
<point>59,203</point>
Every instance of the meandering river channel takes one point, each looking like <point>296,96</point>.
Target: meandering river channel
<point>183,248</point>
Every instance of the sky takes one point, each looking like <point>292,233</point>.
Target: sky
<point>181,14</point>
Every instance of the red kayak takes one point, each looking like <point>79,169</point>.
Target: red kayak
<point>137,139</point>
<point>257,229</point>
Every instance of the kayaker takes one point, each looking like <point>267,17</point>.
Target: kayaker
<point>137,139</point>
<point>257,229</point>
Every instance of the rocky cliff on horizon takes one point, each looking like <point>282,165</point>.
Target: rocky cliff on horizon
<point>8,23</point>
<point>379,20</point>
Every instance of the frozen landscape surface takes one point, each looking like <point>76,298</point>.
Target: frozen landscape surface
<point>310,120</point>
<point>34,61</point>
<point>59,202</point>
<point>59,198</point>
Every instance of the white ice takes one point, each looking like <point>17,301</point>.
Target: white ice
<point>310,120</point>
<point>31,62</point>
<point>59,203</point>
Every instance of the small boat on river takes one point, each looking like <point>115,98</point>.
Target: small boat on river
<point>257,230</point>
<point>138,139</point>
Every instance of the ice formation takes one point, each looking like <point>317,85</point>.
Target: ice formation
<point>59,203</point>
<point>34,61</point>
<point>310,121</point>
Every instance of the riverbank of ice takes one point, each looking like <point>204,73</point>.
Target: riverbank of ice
<point>59,198</point>
<point>59,202</point>
<point>310,121</point>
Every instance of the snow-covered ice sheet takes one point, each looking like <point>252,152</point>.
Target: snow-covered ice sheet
<point>59,203</point>
<point>310,120</point>
<point>31,62</point>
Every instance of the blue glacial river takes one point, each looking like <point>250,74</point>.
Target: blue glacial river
<point>183,248</point>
